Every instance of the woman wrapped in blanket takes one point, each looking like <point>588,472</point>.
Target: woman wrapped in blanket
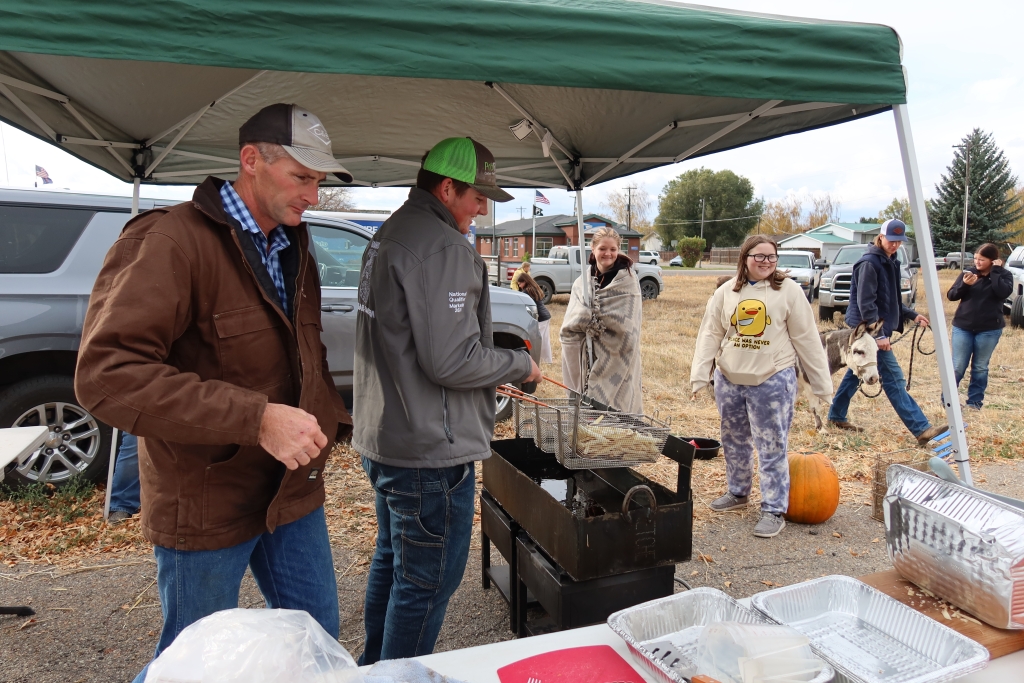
<point>757,326</point>
<point>600,333</point>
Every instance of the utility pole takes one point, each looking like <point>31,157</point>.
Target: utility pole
<point>629,206</point>
<point>700,261</point>
<point>967,203</point>
<point>520,210</point>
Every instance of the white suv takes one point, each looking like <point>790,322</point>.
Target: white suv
<point>1015,302</point>
<point>650,257</point>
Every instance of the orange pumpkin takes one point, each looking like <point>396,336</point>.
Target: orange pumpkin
<point>813,488</point>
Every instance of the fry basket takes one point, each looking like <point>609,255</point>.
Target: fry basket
<point>582,437</point>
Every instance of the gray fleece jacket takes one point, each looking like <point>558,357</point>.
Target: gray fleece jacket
<point>425,362</point>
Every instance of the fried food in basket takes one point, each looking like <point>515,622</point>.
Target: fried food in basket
<point>615,442</point>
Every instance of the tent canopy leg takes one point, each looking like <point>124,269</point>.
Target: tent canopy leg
<point>926,253</point>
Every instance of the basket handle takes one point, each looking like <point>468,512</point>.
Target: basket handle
<point>639,488</point>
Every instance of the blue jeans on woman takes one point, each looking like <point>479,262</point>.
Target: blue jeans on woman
<point>424,525</point>
<point>895,387</point>
<point>975,348</point>
<point>293,568</point>
<point>124,489</point>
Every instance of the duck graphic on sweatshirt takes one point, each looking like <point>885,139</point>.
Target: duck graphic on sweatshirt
<point>751,318</point>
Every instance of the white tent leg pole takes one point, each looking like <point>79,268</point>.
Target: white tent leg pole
<point>110,472</point>
<point>135,197</point>
<point>926,251</point>
<point>579,219</point>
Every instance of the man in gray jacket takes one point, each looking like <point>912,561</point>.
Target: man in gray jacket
<point>425,374</point>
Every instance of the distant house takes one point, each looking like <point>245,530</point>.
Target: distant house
<point>828,239</point>
<point>512,239</point>
<point>652,242</point>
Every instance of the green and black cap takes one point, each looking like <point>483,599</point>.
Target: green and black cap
<point>467,160</point>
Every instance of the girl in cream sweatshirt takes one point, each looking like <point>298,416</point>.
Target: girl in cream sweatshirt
<point>756,327</point>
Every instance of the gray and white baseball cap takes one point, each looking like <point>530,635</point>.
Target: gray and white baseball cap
<point>301,134</point>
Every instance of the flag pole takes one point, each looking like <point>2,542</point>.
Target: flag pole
<point>533,238</point>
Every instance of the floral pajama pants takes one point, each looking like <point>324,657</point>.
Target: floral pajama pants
<point>758,416</point>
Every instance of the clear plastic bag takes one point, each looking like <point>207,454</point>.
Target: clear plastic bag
<point>734,652</point>
<point>254,646</point>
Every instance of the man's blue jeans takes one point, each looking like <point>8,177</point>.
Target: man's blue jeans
<point>424,525</point>
<point>293,568</point>
<point>975,348</point>
<point>895,387</point>
<point>124,489</point>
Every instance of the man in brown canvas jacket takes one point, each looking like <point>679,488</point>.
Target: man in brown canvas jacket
<point>203,338</point>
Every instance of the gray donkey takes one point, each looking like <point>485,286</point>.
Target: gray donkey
<point>854,348</point>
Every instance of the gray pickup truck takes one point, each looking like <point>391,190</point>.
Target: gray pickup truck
<point>556,273</point>
<point>834,289</point>
<point>51,248</point>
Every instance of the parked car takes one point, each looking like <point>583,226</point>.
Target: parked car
<point>802,268</point>
<point>52,246</point>
<point>651,258</point>
<point>834,289</point>
<point>556,273</point>
<point>954,260</point>
<point>1015,302</point>
<point>676,261</point>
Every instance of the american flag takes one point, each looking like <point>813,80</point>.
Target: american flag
<point>540,199</point>
<point>41,173</point>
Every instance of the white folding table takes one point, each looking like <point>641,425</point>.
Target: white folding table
<point>16,443</point>
<point>480,664</point>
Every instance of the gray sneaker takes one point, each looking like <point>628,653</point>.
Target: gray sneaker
<point>769,525</point>
<point>729,502</point>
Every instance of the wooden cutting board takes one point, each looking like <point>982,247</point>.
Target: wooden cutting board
<point>998,641</point>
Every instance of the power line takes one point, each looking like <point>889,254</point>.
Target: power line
<point>710,220</point>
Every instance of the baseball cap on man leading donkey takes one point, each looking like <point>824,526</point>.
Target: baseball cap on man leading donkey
<point>467,160</point>
<point>300,133</point>
<point>894,230</point>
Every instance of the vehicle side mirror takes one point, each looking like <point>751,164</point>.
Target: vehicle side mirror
<point>820,264</point>
<point>915,264</point>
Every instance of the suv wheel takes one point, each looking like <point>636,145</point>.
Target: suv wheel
<point>825,313</point>
<point>504,408</point>
<point>78,443</point>
<point>649,289</point>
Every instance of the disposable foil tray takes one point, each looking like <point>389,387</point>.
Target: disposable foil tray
<point>867,636</point>
<point>958,543</point>
<point>662,634</point>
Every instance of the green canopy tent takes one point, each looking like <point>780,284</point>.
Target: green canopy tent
<point>566,93</point>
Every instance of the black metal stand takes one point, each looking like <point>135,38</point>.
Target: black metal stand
<point>18,611</point>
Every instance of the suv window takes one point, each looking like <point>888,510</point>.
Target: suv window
<point>339,255</point>
<point>37,239</point>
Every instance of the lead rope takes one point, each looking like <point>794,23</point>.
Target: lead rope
<point>915,345</point>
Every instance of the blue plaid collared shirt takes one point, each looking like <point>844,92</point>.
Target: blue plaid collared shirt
<point>237,209</point>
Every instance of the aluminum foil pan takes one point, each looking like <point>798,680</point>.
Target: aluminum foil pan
<point>958,543</point>
<point>662,634</point>
<point>867,636</point>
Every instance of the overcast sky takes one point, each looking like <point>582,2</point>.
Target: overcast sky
<point>964,72</point>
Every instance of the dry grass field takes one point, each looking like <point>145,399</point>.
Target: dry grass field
<point>69,530</point>
<point>669,336</point>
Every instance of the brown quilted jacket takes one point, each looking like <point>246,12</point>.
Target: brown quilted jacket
<point>184,347</point>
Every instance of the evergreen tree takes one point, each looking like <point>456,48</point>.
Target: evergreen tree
<point>992,206</point>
